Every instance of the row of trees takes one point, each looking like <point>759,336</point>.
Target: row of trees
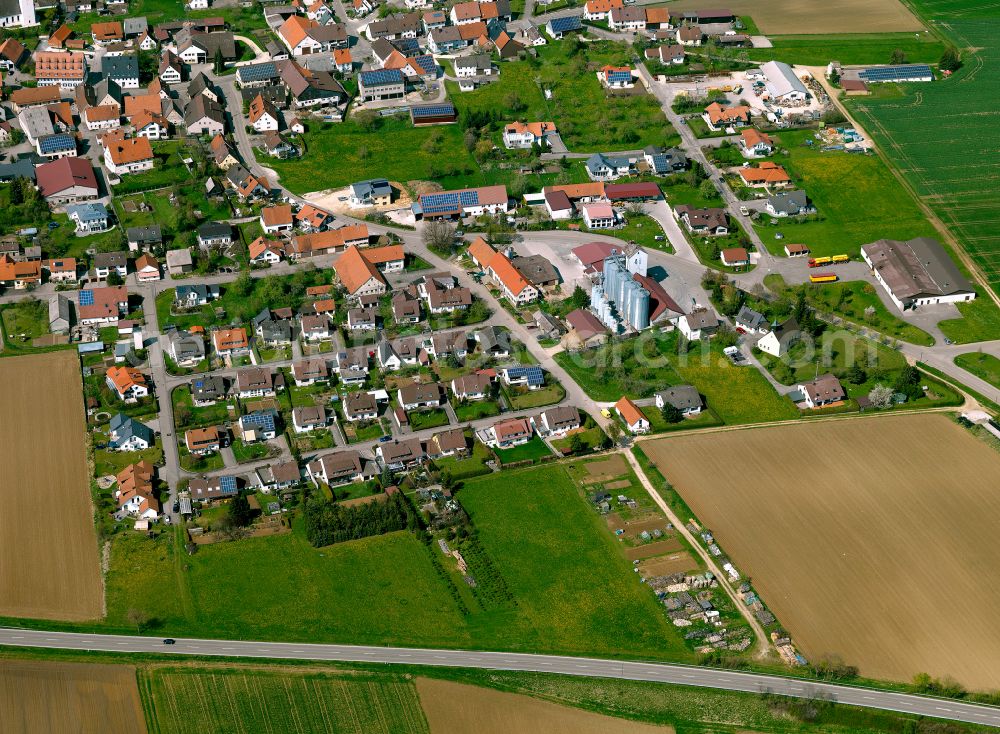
<point>328,523</point>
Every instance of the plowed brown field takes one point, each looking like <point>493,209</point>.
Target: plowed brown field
<point>874,539</point>
<point>49,566</point>
<point>455,707</point>
<point>780,17</point>
<point>69,698</point>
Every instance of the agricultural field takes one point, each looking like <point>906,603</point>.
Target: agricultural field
<point>52,568</point>
<point>69,698</point>
<point>853,48</point>
<point>219,701</point>
<point>456,707</point>
<point>572,588</point>
<point>939,136</point>
<point>818,17</point>
<point>862,537</point>
<point>982,365</point>
<point>848,215</point>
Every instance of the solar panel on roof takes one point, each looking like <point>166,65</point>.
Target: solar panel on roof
<point>86,298</point>
<point>227,485</point>
<point>407,45</point>
<point>433,110</point>
<point>381,76</point>
<point>426,63</point>
<point>469,198</point>
<point>532,373</point>
<point>439,203</point>
<point>889,73</point>
<point>258,72</point>
<point>56,142</point>
<point>565,23</point>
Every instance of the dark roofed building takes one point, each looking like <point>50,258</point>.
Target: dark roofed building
<point>917,272</point>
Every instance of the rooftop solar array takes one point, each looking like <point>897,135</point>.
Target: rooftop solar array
<point>86,298</point>
<point>227,485</point>
<point>469,198</point>
<point>375,77</point>
<point>565,23</point>
<point>433,110</point>
<point>260,419</point>
<point>257,72</point>
<point>426,64</point>
<point>532,373</point>
<point>407,46</point>
<point>892,73</point>
<point>52,143</point>
<point>439,203</point>
<point>619,76</point>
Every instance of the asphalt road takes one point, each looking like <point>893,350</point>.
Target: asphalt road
<point>586,667</point>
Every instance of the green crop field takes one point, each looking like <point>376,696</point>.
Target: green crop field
<point>855,48</point>
<point>573,588</point>
<point>858,200</point>
<point>219,701</point>
<point>942,137</point>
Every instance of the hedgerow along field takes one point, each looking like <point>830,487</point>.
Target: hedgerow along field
<point>219,701</point>
<point>868,536</point>
<point>942,137</point>
<point>69,698</point>
<point>49,565</point>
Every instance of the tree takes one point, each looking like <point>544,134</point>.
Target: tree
<point>239,512</point>
<point>897,57</point>
<point>580,298</point>
<point>576,444</point>
<point>950,60</point>
<point>512,101</point>
<point>114,278</point>
<point>243,285</point>
<point>908,382</point>
<point>439,236</point>
<point>870,314</point>
<point>220,63</point>
<point>880,396</point>
<point>137,617</point>
<point>671,413</point>
<point>707,189</point>
<point>856,375</point>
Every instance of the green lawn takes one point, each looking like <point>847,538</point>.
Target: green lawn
<point>187,415</point>
<point>280,587</point>
<point>853,195</point>
<point>837,357</point>
<point>639,367</point>
<point>980,321</point>
<point>199,464</point>
<point>111,462</point>
<point>531,451</point>
<point>849,300</point>
<point>592,436</point>
<point>283,701</point>
<point>477,409</point>
<point>641,229</point>
<point>29,318</point>
<point>423,419</point>
<point>522,399</point>
<point>359,432</point>
<point>657,424</point>
<point>473,465</point>
<point>982,365</point>
<point>393,148</point>
<point>245,452</point>
<point>574,590</point>
<point>855,48</point>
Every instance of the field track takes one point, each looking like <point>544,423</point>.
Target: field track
<point>69,698</point>
<point>789,17</point>
<point>869,539</point>
<point>49,566</point>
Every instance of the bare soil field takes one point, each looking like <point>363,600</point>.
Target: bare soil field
<point>69,698</point>
<point>455,707</point>
<point>872,539</point>
<point>653,549</point>
<point>49,565</point>
<point>668,565</point>
<point>606,469</point>
<point>782,17</point>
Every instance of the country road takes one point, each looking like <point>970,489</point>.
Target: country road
<point>585,667</point>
